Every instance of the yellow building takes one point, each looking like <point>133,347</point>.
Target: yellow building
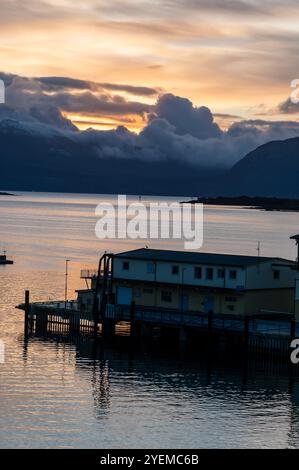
<point>201,282</point>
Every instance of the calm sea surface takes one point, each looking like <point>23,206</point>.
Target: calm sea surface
<point>56,393</point>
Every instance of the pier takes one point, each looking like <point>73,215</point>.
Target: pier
<point>267,334</point>
<point>235,303</point>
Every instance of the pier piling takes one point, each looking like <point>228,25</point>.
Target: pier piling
<point>27,311</point>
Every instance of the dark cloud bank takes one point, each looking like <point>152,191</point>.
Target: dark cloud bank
<point>180,151</point>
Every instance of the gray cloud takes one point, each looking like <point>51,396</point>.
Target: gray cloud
<point>186,118</point>
<point>288,107</point>
<point>176,129</point>
<point>159,141</point>
<point>52,83</point>
<point>134,90</point>
<point>25,94</point>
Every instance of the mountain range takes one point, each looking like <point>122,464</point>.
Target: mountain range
<point>59,162</point>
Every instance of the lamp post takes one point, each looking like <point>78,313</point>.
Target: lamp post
<point>67,261</point>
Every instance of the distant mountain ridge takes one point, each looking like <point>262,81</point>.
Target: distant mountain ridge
<point>56,162</point>
<point>48,160</point>
<point>270,170</point>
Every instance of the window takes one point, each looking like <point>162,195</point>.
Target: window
<point>148,291</point>
<point>233,274</point>
<point>197,273</point>
<point>166,296</point>
<point>209,274</point>
<point>126,266</point>
<point>221,273</point>
<point>175,270</point>
<point>230,299</point>
<point>276,274</point>
<point>137,293</point>
<point>231,307</point>
<point>150,268</point>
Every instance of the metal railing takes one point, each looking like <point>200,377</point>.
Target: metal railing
<point>220,322</point>
<point>91,274</point>
<point>59,304</point>
<point>88,273</point>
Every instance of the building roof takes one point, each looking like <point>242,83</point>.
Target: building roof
<point>198,258</point>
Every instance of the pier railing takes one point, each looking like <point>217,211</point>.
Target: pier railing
<point>256,324</point>
<point>274,324</point>
<point>71,305</point>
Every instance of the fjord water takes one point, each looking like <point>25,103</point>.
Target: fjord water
<point>56,393</point>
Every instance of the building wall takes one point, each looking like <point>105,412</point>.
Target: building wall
<point>85,299</point>
<point>262,276</point>
<point>297,297</point>
<point>280,300</point>
<point>259,276</point>
<point>162,272</point>
<point>203,300</point>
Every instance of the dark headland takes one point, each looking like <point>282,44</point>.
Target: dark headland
<point>265,203</point>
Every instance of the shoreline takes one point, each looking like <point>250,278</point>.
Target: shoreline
<point>248,202</point>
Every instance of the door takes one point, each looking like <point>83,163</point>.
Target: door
<point>209,304</point>
<point>124,295</point>
<point>184,302</point>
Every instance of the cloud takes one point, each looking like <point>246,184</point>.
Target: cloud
<point>288,107</point>
<point>186,118</point>
<point>174,129</point>
<point>41,96</point>
<point>52,83</point>
<point>133,90</point>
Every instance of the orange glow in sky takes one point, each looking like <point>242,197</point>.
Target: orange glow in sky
<point>235,60</point>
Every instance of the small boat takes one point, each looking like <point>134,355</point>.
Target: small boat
<point>4,260</point>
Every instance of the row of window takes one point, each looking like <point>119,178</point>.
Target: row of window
<point>198,271</point>
<point>210,273</point>
<point>166,296</point>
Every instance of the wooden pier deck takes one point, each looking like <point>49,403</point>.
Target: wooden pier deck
<point>263,334</point>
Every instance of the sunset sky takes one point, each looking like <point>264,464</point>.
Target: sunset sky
<point>235,57</point>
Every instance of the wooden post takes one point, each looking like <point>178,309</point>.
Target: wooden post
<point>27,311</point>
<point>108,328</point>
<point>246,333</point>
<point>183,338</point>
<point>291,368</point>
<point>210,323</point>
<point>132,311</point>
<point>293,329</point>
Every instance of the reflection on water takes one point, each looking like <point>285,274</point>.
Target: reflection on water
<point>73,395</point>
<point>58,392</point>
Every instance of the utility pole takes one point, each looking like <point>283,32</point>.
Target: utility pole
<point>259,248</point>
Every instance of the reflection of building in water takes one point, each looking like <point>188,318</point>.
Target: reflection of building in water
<point>267,383</point>
<point>293,435</point>
<point>101,387</point>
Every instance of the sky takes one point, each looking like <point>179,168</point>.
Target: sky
<point>197,81</point>
<point>235,57</point>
